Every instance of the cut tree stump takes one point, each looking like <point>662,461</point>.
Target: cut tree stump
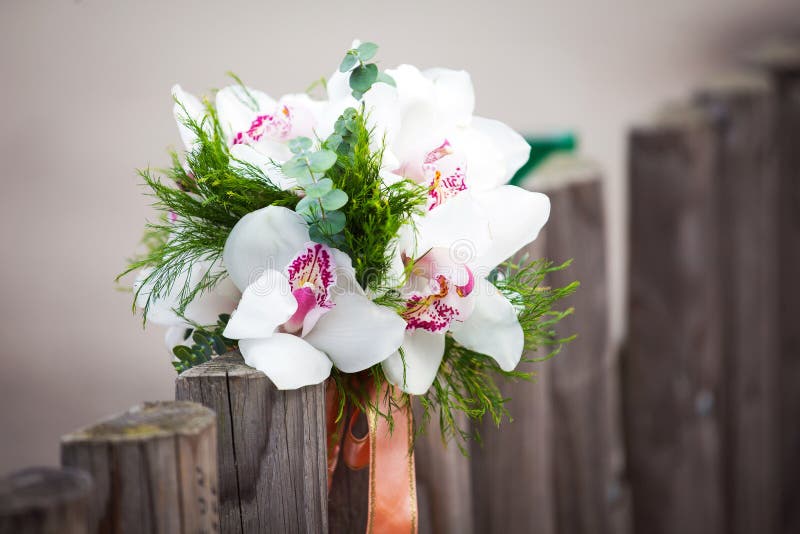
<point>154,469</point>
<point>742,106</point>
<point>272,448</point>
<point>45,500</point>
<point>672,363</point>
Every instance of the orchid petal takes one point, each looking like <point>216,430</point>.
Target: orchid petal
<point>357,333</point>
<point>287,360</point>
<point>459,224</point>
<point>187,108</point>
<point>455,96</point>
<point>237,106</point>
<point>250,156</point>
<point>266,304</point>
<point>422,355</point>
<point>492,328</point>
<point>515,218</point>
<point>513,147</point>
<point>265,239</point>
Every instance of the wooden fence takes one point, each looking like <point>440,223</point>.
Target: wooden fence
<point>694,427</point>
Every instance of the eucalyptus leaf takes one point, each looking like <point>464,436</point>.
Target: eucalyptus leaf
<point>309,207</point>
<point>357,95</point>
<point>299,144</point>
<point>316,235</point>
<point>322,161</point>
<point>296,168</point>
<point>385,78</point>
<point>366,51</point>
<point>334,140</point>
<point>350,60</point>
<point>182,352</point>
<point>320,189</point>
<point>333,223</point>
<point>363,76</point>
<point>333,200</point>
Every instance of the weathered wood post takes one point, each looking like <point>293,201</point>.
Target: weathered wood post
<point>742,106</point>
<point>154,469</point>
<point>45,500</point>
<point>781,59</point>
<point>590,493</point>
<point>558,466</point>
<point>671,366</point>
<point>272,448</point>
<point>444,484</point>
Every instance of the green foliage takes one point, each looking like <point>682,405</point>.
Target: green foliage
<point>322,200</point>
<point>363,75</point>
<point>207,342</point>
<point>209,196</point>
<point>467,380</point>
<point>375,211</point>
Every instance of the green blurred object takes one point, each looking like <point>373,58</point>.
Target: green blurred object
<point>541,147</point>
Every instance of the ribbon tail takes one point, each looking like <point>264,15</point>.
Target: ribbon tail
<point>334,428</point>
<point>392,479</point>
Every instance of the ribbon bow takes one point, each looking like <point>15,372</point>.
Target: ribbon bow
<point>388,453</point>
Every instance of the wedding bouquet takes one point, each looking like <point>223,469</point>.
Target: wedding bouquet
<point>364,236</point>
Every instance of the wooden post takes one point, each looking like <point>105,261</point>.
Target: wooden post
<point>444,485</point>
<point>154,469</point>
<point>512,472</point>
<point>671,367</point>
<point>272,449</point>
<point>45,500</point>
<point>782,60</point>
<point>590,493</point>
<point>349,496</point>
<point>747,199</point>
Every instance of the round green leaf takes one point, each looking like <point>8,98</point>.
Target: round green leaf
<point>319,189</point>
<point>296,168</point>
<point>366,51</point>
<point>350,60</point>
<point>299,144</point>
<point>363,76</point>
<point>385,78</point>
<point>334,199</point>
<point>322,161</point>
<point>308,207</point>
<point>333,223</point>
<point>333,141</point>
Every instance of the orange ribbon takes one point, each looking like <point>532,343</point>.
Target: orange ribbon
<point>392,506</point>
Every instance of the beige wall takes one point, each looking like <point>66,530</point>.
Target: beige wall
<point>85,101</point>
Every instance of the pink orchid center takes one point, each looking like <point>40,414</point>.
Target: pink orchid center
<point>275,126</point>
<point>312,274</point>
<point>444,172</point>
<point>444,297</point>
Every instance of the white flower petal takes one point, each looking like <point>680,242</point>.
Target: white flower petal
<point>357,333</point>
<point>266,304</point>
<point>486,168</point>
<point>187,107</point>
<point>238,106</point>
<point>287,360</point>
<point>265,239</point>
<point>459,225</point>
<point>210,304</point>
<point>513,147</point>
<point>422,352</point>
<point>455,96</point>
<point>492,328</point>
<point>515,218</point>
<point>249,155</point>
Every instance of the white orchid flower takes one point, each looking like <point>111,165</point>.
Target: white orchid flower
<point>258,127</point>
<point>203,310</point>
<point>301,309</point>
<point>473,221</point>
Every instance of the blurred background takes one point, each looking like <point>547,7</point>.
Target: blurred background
<point>86,93</point>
